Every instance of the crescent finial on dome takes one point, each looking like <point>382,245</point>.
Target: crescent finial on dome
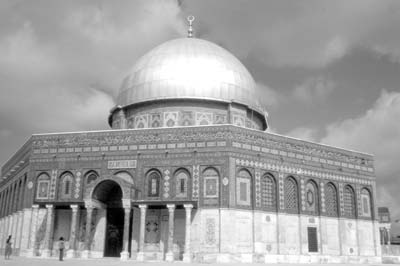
<point>190,19</point>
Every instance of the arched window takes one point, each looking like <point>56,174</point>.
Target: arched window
<point>153,184</point>
<point>43,185</point>
<point>268,192</point>
<point>366,203</point>
<point>181,183</point>
<point>91,176</point>
<point>211,183</point>
<point>65,191</point>
<point>349,202</point>
<point>243,188</point>
<point>312,198</point>
<point>331,200</point>
<point>291,195</point>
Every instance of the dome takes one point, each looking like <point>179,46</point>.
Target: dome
<point>188,68</point>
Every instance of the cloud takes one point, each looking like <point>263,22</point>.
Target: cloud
<point>314,90</point>
<point>62,63</point>
<point>309,33</point>
<point>377,132</point>
<point>268,96</point>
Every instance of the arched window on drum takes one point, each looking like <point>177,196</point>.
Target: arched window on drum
<point>153,183</point>
<point>312,198</point>
<point>65,186</point>
<point>366,205</point>
<point>243,188</point>
<point>331,200</point>
<point>268,192</point>
<point>349,202</point>
<point>291,195</point>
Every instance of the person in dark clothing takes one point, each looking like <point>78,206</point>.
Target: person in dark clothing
<point>8,250</point>
<point>61,247</point>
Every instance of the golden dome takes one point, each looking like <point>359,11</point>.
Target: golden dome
<point>188,68</point>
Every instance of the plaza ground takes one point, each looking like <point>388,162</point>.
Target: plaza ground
<point>22,261</point>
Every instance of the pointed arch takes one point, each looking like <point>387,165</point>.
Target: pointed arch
<point>125,175</point>
<point>349,202</point>
<point>42,186</point>
<point>211,182</point>
<point>244,187</point>
<point>366,203</point>
<point>181,177</point>
<point>153,178</point>
<point>91,176</point>
<point>312,197</point>
<point>65,185</point>
<point>268,192</point>
<point>291,195</point>
<point>331,200</point>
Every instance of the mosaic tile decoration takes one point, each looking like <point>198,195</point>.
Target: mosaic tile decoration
<point>196,182</point>
<point>53,180</point>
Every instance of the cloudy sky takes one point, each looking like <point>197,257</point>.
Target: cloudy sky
<point>329,71</point>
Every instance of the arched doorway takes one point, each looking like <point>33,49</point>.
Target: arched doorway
<point>110,194</point>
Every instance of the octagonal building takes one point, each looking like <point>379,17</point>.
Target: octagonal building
<point>188,171</point>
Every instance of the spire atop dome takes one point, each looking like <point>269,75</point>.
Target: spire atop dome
<point>190,19</point>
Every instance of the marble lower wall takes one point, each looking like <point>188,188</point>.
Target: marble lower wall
<point>217,235</point>
<point>228,235</point>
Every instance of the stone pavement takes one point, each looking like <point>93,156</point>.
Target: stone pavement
<point>22,261</point>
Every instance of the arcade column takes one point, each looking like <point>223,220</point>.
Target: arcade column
<point>143,208</point>
<point>170,253</point>
<point>34,222</point>
<point>48,236</point>
<point>89,212</point>
<point>187,256</point>
<point>72,237</point>
<point>127,213</point>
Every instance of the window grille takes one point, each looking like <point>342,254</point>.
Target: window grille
<point>291,195</point>
<point>268,192</point>
<point>331,201</point>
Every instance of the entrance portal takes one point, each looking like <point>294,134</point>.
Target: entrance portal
<point>110,193</point>
<point>114,232</point>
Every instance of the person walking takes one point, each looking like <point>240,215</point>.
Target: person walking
<point>8,250</point>
<point>61,247</point>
